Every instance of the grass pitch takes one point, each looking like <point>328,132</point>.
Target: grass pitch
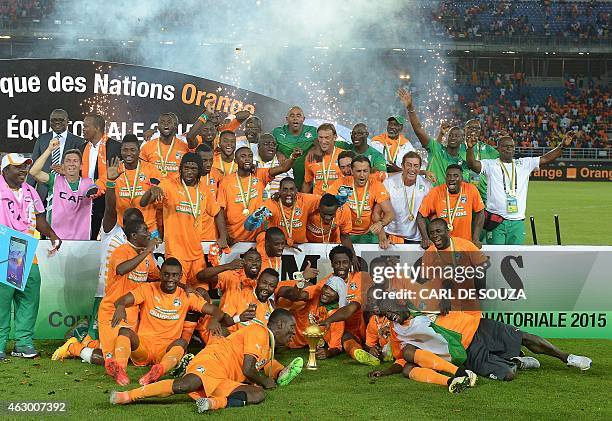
<point>340,389</point>
<point>584,209</point>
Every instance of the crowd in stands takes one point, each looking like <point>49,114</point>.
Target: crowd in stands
<point>561,20</point>
<point>538,116</point>
<point>12,11</point>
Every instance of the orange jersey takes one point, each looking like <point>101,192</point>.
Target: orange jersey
<point>356,287</point>
<point>314,312</point>
<point>293,220</point>
<point>389,146</point>
<point>209,227</point>
<point>460,252</point>
<point>361,202</point>
<point>230,197</point>
<point>323,173</point>
<point>225,168</point>
<point>238,303</point>
<point>119,285</point>
<point>469,199</point>
<point>253,339</point>
<point>378,331</point>
<point>316,232</point>
<point>166,158</point>
<point>267,261</point>
<point>234,282</point>
<point>131,186</point>
<point>183,207</point>
<point>460,322</point>
<point>161,314</point>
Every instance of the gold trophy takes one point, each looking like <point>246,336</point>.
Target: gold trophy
<point>313,335</point>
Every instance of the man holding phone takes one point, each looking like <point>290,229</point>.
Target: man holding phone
<point>22,210</point>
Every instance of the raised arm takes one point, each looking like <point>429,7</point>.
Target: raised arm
<point>36,170</point>
<point>197,126</point>
<point>473,164</point>
<point>552,155</point>
<point>286,164</point>
<point>342,314</point>
<point>130,265</point>
<point>109,219</point>
<point>209,274</point>
<point>406,98</point>
<point>292,294</point>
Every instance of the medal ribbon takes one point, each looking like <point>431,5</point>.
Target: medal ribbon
<point>246,198</point>
<point>513,181</point>
<point>195,211</point>
<point>231,170</point>
<point>359,205</point>
<point>451,216</point>
<point>411,203</point>
<point>288,226</point>
<point>132,191</point>
<point>164,161</point>
<point>327,170</point>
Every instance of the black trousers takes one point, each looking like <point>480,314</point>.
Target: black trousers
<point>97,213</point>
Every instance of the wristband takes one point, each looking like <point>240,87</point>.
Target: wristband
<point>236,319</point>
<point>411,111</point>
<point>111,184</point>
<point>203,118</point>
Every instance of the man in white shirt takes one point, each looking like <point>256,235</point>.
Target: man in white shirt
<point>508,182</point>
<point>406,191</point>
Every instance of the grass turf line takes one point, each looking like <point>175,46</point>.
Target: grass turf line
<point>340,389</point>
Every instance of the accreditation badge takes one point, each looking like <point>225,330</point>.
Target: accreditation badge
<point>511,204</point>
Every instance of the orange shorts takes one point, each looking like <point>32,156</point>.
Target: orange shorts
<point>216,381</point>
<point>107,334</point>
<point>150,351</point>
<point>191,269</point>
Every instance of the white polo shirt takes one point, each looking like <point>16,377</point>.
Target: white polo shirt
<point>401,196</point>
<point>497,195</point>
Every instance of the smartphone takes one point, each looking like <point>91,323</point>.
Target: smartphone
<point>17,252</point>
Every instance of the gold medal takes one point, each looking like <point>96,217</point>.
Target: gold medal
<point>246,197</point>
<point>325,186</point>
<point>410,202</point>
<point>195,208</point>
<point>450,227</point>
<point>325,171</point>
<point>410,217</point>
<point>132,188</point>
<point>452,214</point>
<point>359,221</point>
<point>288,224</point>
<point>360,204</point>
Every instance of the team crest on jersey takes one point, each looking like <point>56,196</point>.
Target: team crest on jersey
<point>298,211</point>
<point>142,177</point>
<point>267,316</point>
<point>177,302</point>
<point>261,363</point>
<point>463,199</point>
<point>353,285</point>
<point>200,369</point>
<point>109,355</point>
<point>177,155</point>
<point>421,188</point>
<point>308,135</point>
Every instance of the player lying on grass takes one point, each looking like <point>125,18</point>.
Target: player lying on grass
<point>163,307</point>
<point>487,347</point>
<point>216,378</point>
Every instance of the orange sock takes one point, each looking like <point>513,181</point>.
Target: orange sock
<point>160,389</point>
<point>350,346</point>
<point>76,348</point>
<point>427,359</point>
<point>172,358</point>
<point>188,328</point>
<point>427,375</point>
<point>123,349</point>
<point>94,343</point>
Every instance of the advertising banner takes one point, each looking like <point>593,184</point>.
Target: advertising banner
<point>554,291</point>
<point>574,171</point>
<point>129,97</point>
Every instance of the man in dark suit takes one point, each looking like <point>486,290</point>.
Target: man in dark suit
<point>98,151</point>
<point>59,129</point>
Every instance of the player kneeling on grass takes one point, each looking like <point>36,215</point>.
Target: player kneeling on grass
<point>216,376</point>
<point>163,308</point>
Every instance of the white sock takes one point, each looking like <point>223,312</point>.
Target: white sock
<point>86,354</point>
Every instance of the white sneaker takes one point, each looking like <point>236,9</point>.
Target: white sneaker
<point>459,384</point>
<point>583,363</point>
<point>203,405</point>
<point>526,363</point>
<point>472,377</point>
